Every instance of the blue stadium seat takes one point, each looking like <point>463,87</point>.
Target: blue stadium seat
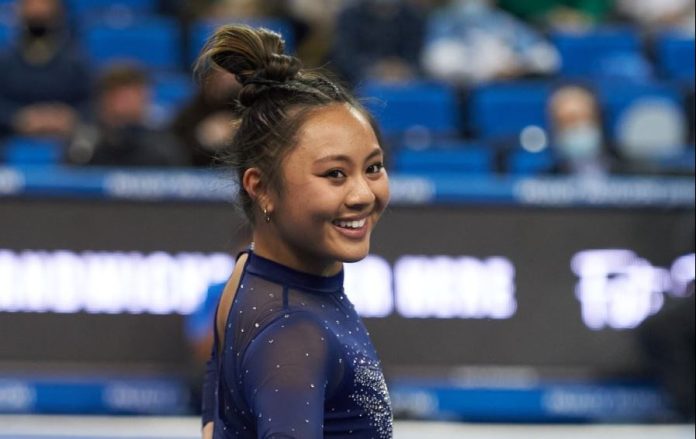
<point>683,162</point>
<point>170,93</point>
<point>502,110</point>
<point>32,151</point>
<point>88,9</point>
<point>607,52</point>
<point>461,159</point>
<point>154,43</point>
<point>6,35</point>
<point>675,56</point>
<point>201,31</point>
<point>7,12</point>
<point>398,108</point>
<point>521,162</point>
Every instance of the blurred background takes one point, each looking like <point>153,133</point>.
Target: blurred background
<point>536,265</point>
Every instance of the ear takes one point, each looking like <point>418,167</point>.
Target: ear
<point>257,188</point>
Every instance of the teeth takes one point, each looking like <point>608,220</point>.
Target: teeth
<point>350,224</point>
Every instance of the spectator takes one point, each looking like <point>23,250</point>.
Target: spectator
<point>379,40</point>
<point>120,135</point>
<point>43,78</point>
<point>319,20</point>
<point>236,9</point>
<point>472,41</point>
<point>576,133</point>
<point>656,15</point>
<point>560,14</point>
<point>205,124</point>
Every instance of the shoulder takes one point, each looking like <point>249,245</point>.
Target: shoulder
<point>297,337</point>
<point>298,323</point>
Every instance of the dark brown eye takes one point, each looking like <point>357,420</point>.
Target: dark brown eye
<point>375,168</point>
<point>335,173</point>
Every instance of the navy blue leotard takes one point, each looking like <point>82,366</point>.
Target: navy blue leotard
<point>297,362</point>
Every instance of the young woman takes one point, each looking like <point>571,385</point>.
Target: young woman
<point>292,357</point>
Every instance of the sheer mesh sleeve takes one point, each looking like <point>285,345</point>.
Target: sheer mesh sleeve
<point>285,374</point>
<point>209,385</point>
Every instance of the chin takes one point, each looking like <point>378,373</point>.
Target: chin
<point>353,254</point>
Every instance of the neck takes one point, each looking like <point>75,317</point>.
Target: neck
<point>268,245</point>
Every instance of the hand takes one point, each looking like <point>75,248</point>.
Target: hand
<point>392,70</point>
<point>46,119</point>
<point>564,18</point>
<point>215,131</point>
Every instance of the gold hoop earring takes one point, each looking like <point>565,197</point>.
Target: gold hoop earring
<point>267,216</point>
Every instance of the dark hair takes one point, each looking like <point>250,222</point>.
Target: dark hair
<point>121,75</point>
<point>276,97</point>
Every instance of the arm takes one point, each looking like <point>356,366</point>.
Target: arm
<point>209,386</point>
<point>286,371</point>
<point>208,431</point>
<point>8,108</point>
<point>210,383</point>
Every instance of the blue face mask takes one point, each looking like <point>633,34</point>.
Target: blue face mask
<point>582,142</point>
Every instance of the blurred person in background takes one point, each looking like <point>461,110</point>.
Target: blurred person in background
<point>204,125</point>
<point>577,138</point>
<point>659,15</point>
<point>474,41</point>
<point>561,14</point>
<point>120,134</point>
<point>668,341</point>
<point>44,79</point>
<point>319,17</point>
<point>307,25</point>
<point>378,40</point>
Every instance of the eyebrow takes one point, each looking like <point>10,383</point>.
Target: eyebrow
<point>344,158</point>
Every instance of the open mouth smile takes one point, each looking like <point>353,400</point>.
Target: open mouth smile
<point>354,229</point>
<point>355,224</point>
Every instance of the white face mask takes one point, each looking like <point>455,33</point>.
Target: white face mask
<point>581,142</point>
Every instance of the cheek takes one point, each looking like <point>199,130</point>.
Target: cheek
<point>382,193</point>
<point>311,203</point>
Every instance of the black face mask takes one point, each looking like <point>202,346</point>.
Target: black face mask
<point>38,28</point>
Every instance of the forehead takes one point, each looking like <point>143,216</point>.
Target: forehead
<point>336,129</point>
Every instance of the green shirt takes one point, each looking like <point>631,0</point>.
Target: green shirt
<point>538,10</point>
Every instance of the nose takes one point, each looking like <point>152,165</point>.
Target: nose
<point>360,195</point>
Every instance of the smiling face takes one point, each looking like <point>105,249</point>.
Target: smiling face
<point>334,189</point>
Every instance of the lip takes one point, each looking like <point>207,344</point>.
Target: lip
<point>354,233</point>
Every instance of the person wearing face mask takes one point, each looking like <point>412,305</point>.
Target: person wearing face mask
<point>577,138</point>
<point>44,79</point>
<point>120,134</point>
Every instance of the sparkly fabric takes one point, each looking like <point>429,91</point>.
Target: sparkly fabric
<point>297,362</point>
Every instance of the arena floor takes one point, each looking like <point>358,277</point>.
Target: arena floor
<point>62,427</point>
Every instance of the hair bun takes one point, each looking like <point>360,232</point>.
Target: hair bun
<point>280,68</point>
<point>255,56</point>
